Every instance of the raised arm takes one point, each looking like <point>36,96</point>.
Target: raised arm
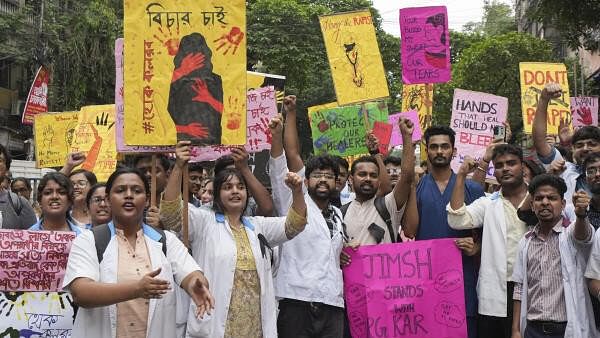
<point>483,165</point>
<point>290,135</point>
<point>171,204</point>
<point>276,127</point>
<point>410,219</point>
<point>258,191</point>
<point>282,195</point>
<point>296,218</point>
<point>540,120</point>
<point>457,200</point>
<point>385,185</point>
<point>581,202</point>
<point>73,160</point>
<point>407,175</point>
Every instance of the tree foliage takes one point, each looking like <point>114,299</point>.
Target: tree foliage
<point>498,18</point>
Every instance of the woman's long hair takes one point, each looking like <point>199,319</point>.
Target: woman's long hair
<point>221,178</point>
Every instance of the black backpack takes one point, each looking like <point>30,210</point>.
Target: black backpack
<point>383,213</point>
<point>102,237</point>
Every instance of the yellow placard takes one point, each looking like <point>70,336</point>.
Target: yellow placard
<point>419,97</point>
<point>53,137</point>
<point>534,76</point>
<point>95,136</point>
<point>185,72</point>
<point>354,57</point>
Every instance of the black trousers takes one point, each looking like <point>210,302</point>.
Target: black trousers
<point>536,329</point>
<point>299,319</point>
<point>498,327</point>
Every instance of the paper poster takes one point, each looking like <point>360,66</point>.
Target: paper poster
<point>411,289</point>
<point>36,314</point>
<point>396,138</point>
<point>95,135</point>
<point>425,45</point>
<point>383,132</point>
<point>37,100</point>
<point>255,80</point>
<point>419,97</point>
<point>354,58</point>
<point>584,111</point>
<point>185,72</point>
<point>53,134</point>
<point>534,76</point>
<point>341,131</point>
<point>474,116</point>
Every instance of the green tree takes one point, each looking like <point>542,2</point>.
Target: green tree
<point>498,18</point>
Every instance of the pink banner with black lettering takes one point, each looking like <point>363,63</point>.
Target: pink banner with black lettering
<point>584,111</point>
<point>412,289</point>
<point>474,116</point>
<point>396,135</point>
<point>425,45</point>
<point>33,260</point>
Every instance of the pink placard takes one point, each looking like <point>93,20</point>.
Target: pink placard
<point>584,111</point>
<point>425,45</point>
<point>33,260</point>
<point>412,289</point>
<point>383,132</point>
<point>474,116</point>
<point>396,136</point>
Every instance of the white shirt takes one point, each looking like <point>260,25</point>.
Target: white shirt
<point>214,248</point>
<point>309,265</point>
<point>488,212</point>
<point>101,322</point>
<point>570,174</point>
<point>573,257</point>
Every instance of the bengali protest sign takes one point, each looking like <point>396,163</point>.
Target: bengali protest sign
<point>255,80</point>
<point>53,133</point>
<point>37,100</point>
<point>534,76</point>
<point>95,136</point>
<point>36,314</point>
<point>33,260</point>
<point>584,111</point>
<point>425,45</point>
<point>396,138</point>
<point>474,116</point>
<point>342,130</point>
<point>354,58</point>
<point>412,289</point>
<point>185,72</point>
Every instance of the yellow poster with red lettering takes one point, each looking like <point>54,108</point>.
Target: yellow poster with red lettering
<point>53,133</point>
<point>534,76</point>
<point>185,72</point>
<point>95,135</point>
<point>354,57</point>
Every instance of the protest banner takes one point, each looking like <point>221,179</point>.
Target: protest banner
<point>419,97</point>
<point>425,45</point>
<point>33,260</point>
<point>37,99</point>
<point>342,130</point>
<point>36,314</point>
<point>255,80</point>
<point>534,76</point>
<point>474,116</point>
<point>53,134</point>
<point>383,132</point>
<point>95,136</point>
<point>412,289</point>
<point>584,111</point>
<point>262,107</point>
<point>396,138</point>
<point>185,72</point>
<point>354,58</point>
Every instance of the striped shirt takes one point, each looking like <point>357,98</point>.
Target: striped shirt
<point>545,291</point>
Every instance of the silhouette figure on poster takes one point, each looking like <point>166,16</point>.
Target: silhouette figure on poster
<point>196,94</point>
<point>435,33</point>
<point>351,50</point>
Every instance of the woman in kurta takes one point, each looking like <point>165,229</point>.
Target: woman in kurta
<point>234,251</point>
<point>126,290</point>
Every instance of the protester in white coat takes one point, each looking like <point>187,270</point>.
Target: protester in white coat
<point>127,291</point>
<point>234,251</point>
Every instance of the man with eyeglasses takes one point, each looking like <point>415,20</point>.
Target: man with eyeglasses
<point>393,165</point>
<point>585,140</point>
<point>309,280</point>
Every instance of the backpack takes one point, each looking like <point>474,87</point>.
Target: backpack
<point>102,237</point>
<point>15,202</point>
<point>383,213</point>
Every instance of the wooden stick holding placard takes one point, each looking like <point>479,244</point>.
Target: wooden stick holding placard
<point>153,181</point>
<point>365,113</point>
<point>186,199</point>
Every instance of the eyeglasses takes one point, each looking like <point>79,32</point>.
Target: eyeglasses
<point>592,171</point>
<point>80,183</point>
<point>98,200</point>
<point>327,176</point>
<point>393,171</point>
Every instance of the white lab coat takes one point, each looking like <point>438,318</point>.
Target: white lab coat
<point>101,322</point>
<point>214,248</point>
<point>573,258</point>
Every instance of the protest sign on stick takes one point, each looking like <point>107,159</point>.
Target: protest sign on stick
<point>185,72</point>
<point>584,111</point>
<point>474,116</point>
<point>53,133</point>
<point>413,289</point>
<point>383,132</point>
<point>37,100</point>
<point>534,76</point>
<point>396,135</point>
<point>354,58</point>
<point>425,45</point>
